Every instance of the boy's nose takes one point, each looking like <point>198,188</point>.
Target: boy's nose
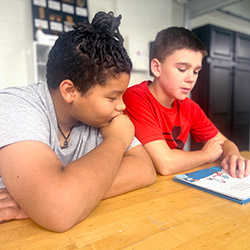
<point>120,106</point>
<point>190,77</point>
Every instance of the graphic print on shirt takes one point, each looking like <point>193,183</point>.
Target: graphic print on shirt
<point>176,131</point>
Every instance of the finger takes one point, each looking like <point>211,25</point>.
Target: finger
<point>225,164</point>
<point>6,201</point>
<point>7,214</point>
<point>240,167</point>
<point>12,213</point>
<point>3,191</point>
<point>221,142</point>
<point>232,166</point>
<point>247,167</point>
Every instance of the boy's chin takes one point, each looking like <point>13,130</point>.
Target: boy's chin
<point>100,125</point>
<point>182,98</point>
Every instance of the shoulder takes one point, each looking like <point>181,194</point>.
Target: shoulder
<point>26,109</point>
<point>138,95</point>
<point>29,93</point>
<point>33,101</point>
<point>137,89</point>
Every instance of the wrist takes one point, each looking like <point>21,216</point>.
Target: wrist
<point>206,156</point>
<point>116,143</point>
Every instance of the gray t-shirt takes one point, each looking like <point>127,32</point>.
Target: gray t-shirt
<point>27,113</point>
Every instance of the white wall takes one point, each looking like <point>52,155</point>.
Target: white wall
<point>141,19</point>
<point>15,40</point>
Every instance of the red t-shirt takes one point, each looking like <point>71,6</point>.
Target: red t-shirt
<point>155,122</point>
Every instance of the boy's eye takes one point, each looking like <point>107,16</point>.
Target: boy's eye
<point>112,98</point>
<point>182,69</point>
<point>196,72</point>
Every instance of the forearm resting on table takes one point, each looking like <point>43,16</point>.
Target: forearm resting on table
<point>136,171</point>
<point>178,161</point>
<point>170,161</point>
<point>55,197</point>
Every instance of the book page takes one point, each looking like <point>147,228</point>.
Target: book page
<point>218,180</point>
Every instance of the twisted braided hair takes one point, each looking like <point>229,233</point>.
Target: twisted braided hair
<point>90,54</point>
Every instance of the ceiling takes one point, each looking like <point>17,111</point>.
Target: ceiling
<point>240,9</point>
<point>237,8</point>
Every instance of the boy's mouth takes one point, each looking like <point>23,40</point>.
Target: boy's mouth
<point>185,90</point>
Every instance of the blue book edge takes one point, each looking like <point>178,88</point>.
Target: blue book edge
<point>242,202</point>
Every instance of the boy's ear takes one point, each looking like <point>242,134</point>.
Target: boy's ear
<point>156,67</point>
<point>68,90</point>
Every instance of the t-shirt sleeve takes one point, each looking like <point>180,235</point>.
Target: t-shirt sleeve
<point>202,128</point>
<point>134,143</point>
<point>21,120</point>
<point>142,114</point>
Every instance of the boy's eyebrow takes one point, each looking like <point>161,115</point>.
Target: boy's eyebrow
<point>116,92</point>
<point>188,64</point>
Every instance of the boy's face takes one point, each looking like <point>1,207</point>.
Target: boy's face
<point>178,74</point>
<point>102,103</point>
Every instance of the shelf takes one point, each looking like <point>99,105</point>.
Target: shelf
<point>41,52</point>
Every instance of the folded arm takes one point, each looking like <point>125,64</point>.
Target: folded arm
<point>136,171</point>
<point>58,197</point>
<point>54,196</point>
<point>170,161</point>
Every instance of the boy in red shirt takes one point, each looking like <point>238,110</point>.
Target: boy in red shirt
<point>164,116</point>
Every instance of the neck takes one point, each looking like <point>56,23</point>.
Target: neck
<point>160,95</point>
<point>62,109</point>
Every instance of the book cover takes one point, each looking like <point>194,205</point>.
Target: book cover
<point>217,181</point>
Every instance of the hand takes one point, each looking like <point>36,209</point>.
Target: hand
<point>9,209</point>
<point>214,149</point>
<point>234,164</point>
<point>120,128</point>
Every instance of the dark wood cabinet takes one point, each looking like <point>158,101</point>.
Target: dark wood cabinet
<point>242,48</point>
<point>219,42</point>
<point>223,86</point>
<point>220,101</point>
<point>241,104</point>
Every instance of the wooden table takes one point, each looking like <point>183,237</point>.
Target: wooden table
<point>166,215</point>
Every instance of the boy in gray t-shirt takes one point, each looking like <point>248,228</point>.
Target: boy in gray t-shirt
<point>66,145</point>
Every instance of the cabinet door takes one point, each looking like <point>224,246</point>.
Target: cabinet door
<point>222,43</point>
<point>242,48</point>
<point>220,95</point>
<point>218,41</point>
<point>241,105</point>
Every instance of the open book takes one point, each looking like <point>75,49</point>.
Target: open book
<point>217,181</point>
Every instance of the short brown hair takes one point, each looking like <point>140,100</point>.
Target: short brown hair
<point>171,39</point>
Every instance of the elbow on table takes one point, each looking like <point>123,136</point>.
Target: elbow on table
<point>151,177</point>
<point>60,222</point>
<point>149,172</point>
<point>166,169</point>
<point>62,214</point>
